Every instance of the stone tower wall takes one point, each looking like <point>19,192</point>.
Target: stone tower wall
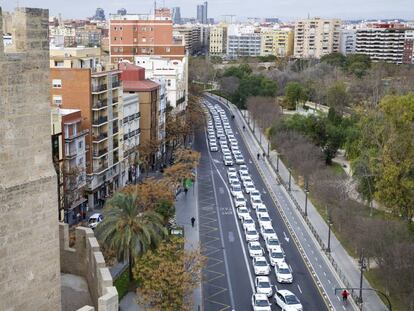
<point>29,237</point>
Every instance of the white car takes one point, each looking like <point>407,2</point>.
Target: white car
<point>260,303</point>
<point>287,300</point>
<point>234,180</point>
<point>244,168</point>
<point>260,265</point>
<point>242,212</point>
<point>255,249</point>
<point>236,153</point>
<point>248,187</point>
<point>244,175</point>
<point>228,160</point>
<point>276,255</point>
<point>264,220</point>
<point>226,152</point>
<point>283,273</point>
<point>251,235</point>
<point>248,222</point>
<point>255,194</point>
<point>261,210</point>
<point>231,170</point>
<point>234,147</point>
<point>268,232</point>
<point>95,220</point>
<point>272,244</point>
<point>239,202</point>
<point>236,191</point>
<point>213,147</point>
<point>255,201</point>
<point>239,159</point>
<point>263,285</point>
<point>232,173</point>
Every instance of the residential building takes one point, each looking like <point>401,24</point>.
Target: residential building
<point>218,40</point>
<point>69,158</point>
<point>202,13</point>
<point>408,56</point>
<point>131,138</point>
<point>316,37</point>
<point>174,73</point>
<point>347,42</point>
<point>80,81</point>
<point>382,41</point>
<point>152,106</point>
<point>192,35</point>
<point>278,42</point>
<point>176,15</point>
<point>243,41</point>
<point>142,34</point>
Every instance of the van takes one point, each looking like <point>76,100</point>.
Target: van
<point>94,220</point>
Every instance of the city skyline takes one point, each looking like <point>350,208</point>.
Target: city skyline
<point>286,10</point>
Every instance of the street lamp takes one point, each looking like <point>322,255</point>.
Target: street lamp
<point>362,268</point>
<point>277,162</point>
<point>290,180</point>
<point>306,202</point>
<point>328,249</point>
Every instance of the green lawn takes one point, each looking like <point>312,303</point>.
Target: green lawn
<point>337,168</point>
<point>123,285</point>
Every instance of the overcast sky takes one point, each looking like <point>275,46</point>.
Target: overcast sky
<point>284,9</point>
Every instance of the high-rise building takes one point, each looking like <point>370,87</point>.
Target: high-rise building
<point>81,82</point>
<point>191,35</point>
<point>202,16</point>
<point>135,34</point>
<point>278,42</point>
<point>243,41</point>
<point>347,42</point>
<point>29,260</point>
<point>316,37</point>
<point>218,40</point>
<point>382,41</point>
<point>408,56</point>
<point>176,15</point>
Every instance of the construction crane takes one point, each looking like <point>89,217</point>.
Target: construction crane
<point>228,15</point>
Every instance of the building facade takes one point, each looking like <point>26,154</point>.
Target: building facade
<point>218,40</point>
<point>202,16</point>
<point>244,44</point>
<point>316,37</point>
<point>176,15</point>
<point>347,43</point>
<point>278,42</point>
<point>192,35</point>
<point>137,34</point>
<point>69,158</point>
<point>80,81</point>
<point>408,56</point>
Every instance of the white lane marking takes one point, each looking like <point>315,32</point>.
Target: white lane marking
<point>299,289</point>
<point>324,273</point>
<point>285,237</point>
<point>329,281</point>
<point>344,307</point>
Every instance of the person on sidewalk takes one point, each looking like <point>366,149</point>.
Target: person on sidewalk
<point>244,127</point>
<point>185,190</point>
<point>264,155</point>
<point>345,295</point>
<point>192,221</point>
<point>258,156</point>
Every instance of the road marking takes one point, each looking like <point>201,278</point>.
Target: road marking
<point>221,190</point>
<point>299,289</point>
<point>285,236</point>
<point>329,281</point>
<point>231,237</point>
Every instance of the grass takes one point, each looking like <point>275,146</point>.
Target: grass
<point>337,168</point>
<point>123,285</point>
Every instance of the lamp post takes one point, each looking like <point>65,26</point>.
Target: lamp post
<point>328,249</point>
<point>290,180</point>
<point>277,163</point>
<point>362,268</point>
<point>306,202</point>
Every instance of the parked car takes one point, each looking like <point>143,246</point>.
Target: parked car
<point>94,220</point>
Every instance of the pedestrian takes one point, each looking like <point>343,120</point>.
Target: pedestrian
<point>264,155</point>
<point>185,190</point>
<point>192,221</point>
<point>244,127</point>
<point>78,215</point>
<point>258,156</point>
<point>345,295</point>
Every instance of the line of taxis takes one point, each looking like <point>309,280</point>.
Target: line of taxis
<point>240,182</point>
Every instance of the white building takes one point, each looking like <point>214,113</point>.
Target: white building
<point>174,73</point>
<point>131,137</point>
<point>243,41</point>
<point>347,42</point>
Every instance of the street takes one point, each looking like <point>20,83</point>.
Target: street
<point>228,281</point>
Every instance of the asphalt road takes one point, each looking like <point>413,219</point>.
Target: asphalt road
<point>228,277</point>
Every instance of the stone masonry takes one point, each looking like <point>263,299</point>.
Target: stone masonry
<point>29,237</point>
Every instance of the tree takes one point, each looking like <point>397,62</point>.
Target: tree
<point>147,151</point>
<point>335,59</point>
<point>295,93</point>
<point>127,229</point>
<point>168,276</point>
<point>337,97</point>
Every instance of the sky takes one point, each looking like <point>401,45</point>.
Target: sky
<point>284,9</point>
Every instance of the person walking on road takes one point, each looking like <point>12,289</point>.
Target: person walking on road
<point>258,156</point>
<point>244,127</point>
<point>345,295</point>
<point>185,190</point>
<point>192,221</point>
<point>264,155</point>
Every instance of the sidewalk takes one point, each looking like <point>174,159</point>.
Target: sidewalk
<point>185,208</point>
<point>345,266</point>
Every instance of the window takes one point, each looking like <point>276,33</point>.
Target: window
<point>120,38</point>
<point>120,28</point>
<point>114,38</point>
<point>57,83</point>
<point>168,50</point>
<point>135,39</point>
<point>144,29</point>
<point>57,100</point>
<point>169,82</point>
<point>115,28</point>
<point>144,39</point>
<point>143,50</point>
<point>80,145</point>
<point>80,161</point>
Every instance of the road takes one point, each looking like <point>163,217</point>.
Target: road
<point>228,277</point>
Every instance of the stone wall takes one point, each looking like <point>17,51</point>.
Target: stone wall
<point>29,237</point>
<point>85,259</point>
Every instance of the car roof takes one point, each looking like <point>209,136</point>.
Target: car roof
<point>282,265</point>
<point>277,249</point>
<point>285,292</point>
<point>255,243</point>
<point>262,278</point>
<point>96,215</point>
<point>260,296</point>
<point>260,258</point>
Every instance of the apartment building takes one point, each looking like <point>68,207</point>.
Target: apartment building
<point>316,37</point>
<point>243,41</point>
<point>347,42</point>
<point>80,81</point>
<point>383,42</point>
<point>192,36</point>
<point>133,35</point>
<point>131,138</point>
<point>152,102</point>
<point>278,42</point>
<point>69,158</point>
<point>408,56</point>
<point>175,75</point>
<point>218,40</point>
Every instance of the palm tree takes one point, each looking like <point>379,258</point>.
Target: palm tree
<point>128,229</point>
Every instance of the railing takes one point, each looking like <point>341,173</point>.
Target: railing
<point>99,153</point>
<point>99,137</point>
<point>116,144</point>
<point>73,136</point>
<point>100,120</point>
<point>115,130</point>
<point>115,84</point>
<point>100,104</point>
<point>114,101</point>
<point>99,88</point>
<point>71,153</point>
<point>100,168</point>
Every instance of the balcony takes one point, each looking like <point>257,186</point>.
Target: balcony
<point>100,121</point>
<point>100,105</point>
<point>115,84</point>
<point>99,88</point>
<point>99,169</point>
<point>71,153</point>
<point>76,135</point>
<point>99,138</point>
<point>116,144</point>
<point>100,153</point>
<point>115,130</point>
<point>114,101</point>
